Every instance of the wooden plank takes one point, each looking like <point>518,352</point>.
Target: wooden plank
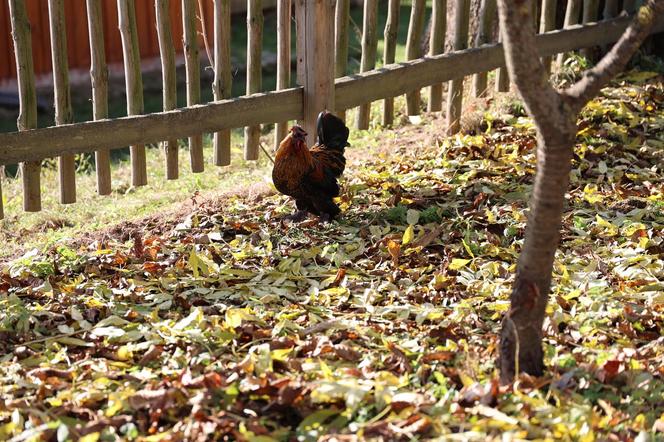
<point>283,60</point>
<point>27,118</point>
<point>222,83</point>
<point>99,79</point>
<point>610,11</point>
<point>455,90</point>
<point>350,91</point>
<point>414,49</point>
<point>368,60</point>
<point>140,129</point>
<point>315,53</point>
<point>62,95</point>
<point>590,14</point>
<point>169,80</point>
<point>389,52</point>
<point>487,15</point>
<point>252,134</point>
<point>193,70</point>
<point>548,23</point>
<point>134,84</point>
<point>572,15</point>
<point>342,15</point>
<point>436,46</point>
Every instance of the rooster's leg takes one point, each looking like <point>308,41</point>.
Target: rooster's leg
<point>328,210</point>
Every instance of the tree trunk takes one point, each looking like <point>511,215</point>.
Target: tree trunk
<point>554,113</point>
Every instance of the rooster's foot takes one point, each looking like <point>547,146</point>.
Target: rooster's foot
<point>325,218</point>
<point>297,217</point>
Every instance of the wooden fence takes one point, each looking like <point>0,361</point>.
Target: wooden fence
<point>78,51</point>
<point>321,56</point>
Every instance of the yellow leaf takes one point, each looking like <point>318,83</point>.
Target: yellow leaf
<point>458,263</point>
<point>408,235</point>
<point>92,437</point>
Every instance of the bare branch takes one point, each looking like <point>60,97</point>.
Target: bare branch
<point>523,61</point>
<point>615,60</point>
<point>201,18</point>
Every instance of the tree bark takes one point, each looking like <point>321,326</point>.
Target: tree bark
<point>554,113</point>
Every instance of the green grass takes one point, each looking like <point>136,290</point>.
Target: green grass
<point>56,222</point>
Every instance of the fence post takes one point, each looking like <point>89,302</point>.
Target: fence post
<point>455,91</point>
<point>436,46</point>
<point>254,66</point>
<point>414,50</point>
<point>99,79</point>
<point>27,118</point>
<point>368,60</point>
<point>283,60</point>
<point>193,69</point>
<point>62,95</point>
<point>487,15</point>
<point>315,60</point>
<point>389,52</point>
<point>134,83</point>
<point>342,13</point>
<point>169,80</point>
<point>572,14</point>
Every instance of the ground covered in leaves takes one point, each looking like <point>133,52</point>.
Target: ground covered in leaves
<point>234,325</point>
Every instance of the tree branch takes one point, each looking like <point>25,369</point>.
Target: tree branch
<point>542,101</point>
<point>616,59</point>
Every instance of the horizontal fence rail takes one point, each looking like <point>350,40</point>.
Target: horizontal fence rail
<point>272,107</point>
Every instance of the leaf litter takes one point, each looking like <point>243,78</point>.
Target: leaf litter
<point>234,325</point>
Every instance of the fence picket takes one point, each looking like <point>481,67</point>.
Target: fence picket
<point>222,82</point>
<point>414,49</point>
<point>193,70</point>
<point>368,60</point>
<point>572,14</point>
<point>502,76</point>
<point>252,134</point>
<point>134,83</point>
<point>436,46</point>
<point>455,91</point>
<point>99,79</point>
<point>169,80</point>
<point>283,60</point>
<point>590,14</point>
<point>548,23</point>
<point>389,53</point>
<point>27,118</point>
<point>487,15</point>
<point>342,14</point>
<point>62,95</point>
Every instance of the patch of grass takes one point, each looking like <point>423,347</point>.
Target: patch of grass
<point>56,222</point>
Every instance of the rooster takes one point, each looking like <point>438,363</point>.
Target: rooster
<point>310,175</point>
